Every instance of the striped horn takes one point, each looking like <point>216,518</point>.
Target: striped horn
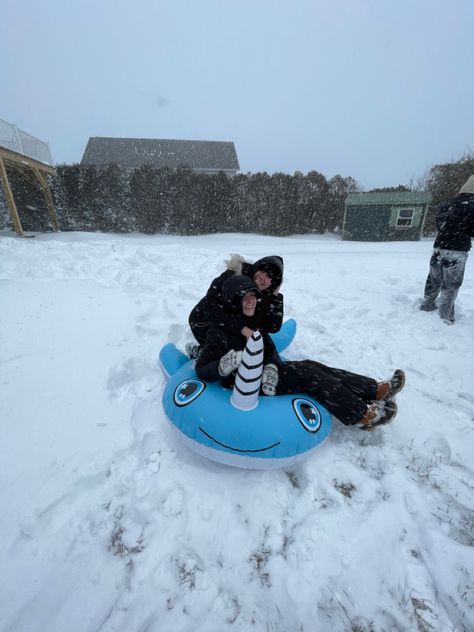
<point>249,375</point>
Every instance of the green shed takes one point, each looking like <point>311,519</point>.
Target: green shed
<point>385,216</point>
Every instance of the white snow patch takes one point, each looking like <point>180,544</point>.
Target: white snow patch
<point>109,522</point>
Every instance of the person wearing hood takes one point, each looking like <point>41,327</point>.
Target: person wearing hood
<point>353,399</point>
<point>221,351</point>
<point>455,224</point>
<point>267,275</point>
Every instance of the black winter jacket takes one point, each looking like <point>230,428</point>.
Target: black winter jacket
<point>455,223</point>
<point>218,342</point>
<point>210,309</point>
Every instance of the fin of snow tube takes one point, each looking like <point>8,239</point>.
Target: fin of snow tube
<point>285,336</point>
<point>171,359</point>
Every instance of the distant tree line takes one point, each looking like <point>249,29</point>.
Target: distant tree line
<point>147,200</point>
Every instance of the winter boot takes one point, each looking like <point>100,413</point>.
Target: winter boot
<point>449,320</point>
<point>269,379</point>
<point>385,413</point>
<point>427,307</point>
<point>229,362</point>
<point>192,350</point>
<point>397,383</point>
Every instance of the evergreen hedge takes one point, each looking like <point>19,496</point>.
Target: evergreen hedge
<point>182,202</point>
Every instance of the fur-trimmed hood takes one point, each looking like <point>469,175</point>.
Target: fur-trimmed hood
<point>235,263</point>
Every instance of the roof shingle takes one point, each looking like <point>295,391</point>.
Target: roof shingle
<point>389,197</point>
<point>137,152</point>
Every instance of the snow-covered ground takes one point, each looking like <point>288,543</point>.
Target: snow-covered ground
<point>108,523</point>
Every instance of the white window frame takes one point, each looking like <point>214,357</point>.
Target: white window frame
<point>410,225</point>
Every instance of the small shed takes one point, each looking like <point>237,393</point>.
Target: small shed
<point>385,216</point>
<point>202,156</point>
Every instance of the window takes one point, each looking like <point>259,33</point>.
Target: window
<point>405,217</point>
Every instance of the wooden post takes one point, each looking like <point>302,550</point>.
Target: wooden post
<point>9,198</point>
<point>42,178</point>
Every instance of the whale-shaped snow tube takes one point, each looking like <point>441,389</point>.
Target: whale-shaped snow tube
<point>279,432</point>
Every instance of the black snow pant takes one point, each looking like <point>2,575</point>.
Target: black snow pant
<point>446,276</point>
<point>343,393</point>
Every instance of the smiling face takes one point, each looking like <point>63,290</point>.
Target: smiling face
<point>249,303</point>
<point>250,433</point>
<point>262,280</point>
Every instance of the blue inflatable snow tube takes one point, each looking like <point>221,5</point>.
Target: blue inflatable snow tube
<point>279,432</point>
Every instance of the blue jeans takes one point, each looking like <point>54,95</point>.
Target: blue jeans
<point>445,278</point>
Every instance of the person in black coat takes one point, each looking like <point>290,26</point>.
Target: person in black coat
<point>353,399</point>
<point>455,224</point>
<point>267,275</point>
<point>221,351</point>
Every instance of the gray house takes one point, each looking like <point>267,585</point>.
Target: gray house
<point>202,156</point>
<point>390,216</point>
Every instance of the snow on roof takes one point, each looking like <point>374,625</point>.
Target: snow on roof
<point>15,139</point>
<point>136,152</point>
<point>389,197</point>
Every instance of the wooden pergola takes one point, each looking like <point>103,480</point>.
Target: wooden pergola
<point>41,171</point>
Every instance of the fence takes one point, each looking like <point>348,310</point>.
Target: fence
<point>14,138</point>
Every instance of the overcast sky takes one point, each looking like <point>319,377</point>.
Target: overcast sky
<point>379,90</point>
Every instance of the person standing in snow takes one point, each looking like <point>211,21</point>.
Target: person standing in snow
<point>353,399</point>
<point>267,275</point>
<point>455,224</point>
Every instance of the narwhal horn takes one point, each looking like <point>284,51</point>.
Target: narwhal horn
<point>249,375</point>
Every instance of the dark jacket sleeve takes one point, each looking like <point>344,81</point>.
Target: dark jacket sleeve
<point>213,307</point>
<point>441,215</point>
<point>271,313</point>
<point>471,219</point>
<point>454,224</point>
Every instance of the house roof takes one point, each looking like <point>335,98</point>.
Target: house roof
<point>393,197</point>
<point>136,152</point>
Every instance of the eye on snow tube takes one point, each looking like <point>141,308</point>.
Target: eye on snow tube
<point>279,432</point>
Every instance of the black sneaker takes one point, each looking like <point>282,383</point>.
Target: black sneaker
<point>386,415</point>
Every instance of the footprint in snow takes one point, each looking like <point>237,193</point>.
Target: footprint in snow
<point>134,372</point>
<point>172,503</point>
<point>176,332</point>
